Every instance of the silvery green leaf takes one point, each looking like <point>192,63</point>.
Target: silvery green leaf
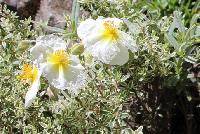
<point>197,31</point>
<point>189,97</point>
<point>139,130</point>
<point>8,36</point>
<point>4,44</point>
<point>133,28</point>
<point>194,19</point>
<point>172,41</point>
<point>175,24</point>
<point>16,62</point>
<point>164,3</point>
<point>127,131</point>
<point>191,59</point>
<point>125,77</point>
<point>75,12</point>
<point>124,115</point>
<point>43,125</point>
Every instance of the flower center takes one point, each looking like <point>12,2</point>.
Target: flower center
<point>59,58</point>
<point>29,74</point>
<point>110,32</point>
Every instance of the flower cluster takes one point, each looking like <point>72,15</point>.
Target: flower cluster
<point>100,75</point>
<point>51,60</point>
<point>102,38</point>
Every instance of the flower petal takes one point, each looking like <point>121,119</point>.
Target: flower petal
<point>115,21</point>
<point>51,73</point>
<point>85,28</point>
<point>66,78</point>
<point>31,94</point>
<point>46,44</point>
<point>104,50</point>
<point>75,60</point>
<point>92,38</point>
<point>127,41</point>
<point>121,57</point>
<point>75,78</point>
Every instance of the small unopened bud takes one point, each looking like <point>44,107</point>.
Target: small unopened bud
<point>23,45</point>
<point>77,49</point>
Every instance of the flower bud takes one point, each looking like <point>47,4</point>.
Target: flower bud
<point>77,49</point>
<point>23,45</point>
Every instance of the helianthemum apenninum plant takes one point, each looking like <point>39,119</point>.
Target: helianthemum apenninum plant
<point>124,69</point>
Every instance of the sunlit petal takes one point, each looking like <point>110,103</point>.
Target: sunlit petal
<point>31,75</point>
<point>121,57</point>
<point>46,44</point>
<point>104,51</point>
<point>117,22</point>
<point>127,41</point>
<point>86,27</point>
<point>31,94</point>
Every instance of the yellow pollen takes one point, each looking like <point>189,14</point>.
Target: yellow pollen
<point>59,58</point>
<point>29,74</point>
<point>110,32</point>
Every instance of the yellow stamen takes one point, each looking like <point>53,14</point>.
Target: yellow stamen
<point>29,74</point>
<point>110,32</point>
<point>60,59</point>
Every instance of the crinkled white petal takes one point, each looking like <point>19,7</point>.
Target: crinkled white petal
<point>127,41</point>
<point>92,38</point>
<point>50,73</point>
<point>75,60</point>
<point>51,41</point>
<point>46,44</point>
<point>72,78</point>
<point>115,21</point>
<point>90,33</point>
<point>85,28</point>
<point>76,78</point>
<point>31,94</point>
<point>121,57</point>
<point>104,50</point>
<point>39,53</point>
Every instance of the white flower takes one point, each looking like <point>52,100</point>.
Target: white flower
<point>30,75</point>
<point>103,39</point>
<point>62,70</point>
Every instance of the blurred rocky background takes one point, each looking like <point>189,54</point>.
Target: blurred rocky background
<point>51,11</point>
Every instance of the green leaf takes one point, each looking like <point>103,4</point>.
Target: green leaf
<point>75,14</point>
<point>175,24</point>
